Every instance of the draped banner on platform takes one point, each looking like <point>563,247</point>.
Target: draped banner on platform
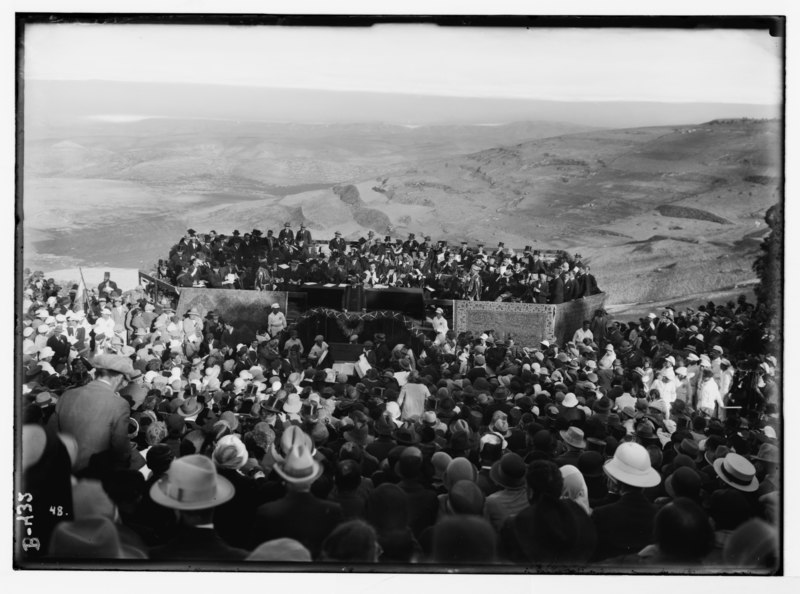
<point>526,323</point>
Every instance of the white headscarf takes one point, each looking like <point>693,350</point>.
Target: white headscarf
<point>575,487</point>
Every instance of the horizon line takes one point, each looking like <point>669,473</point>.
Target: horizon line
<point>779,104</point>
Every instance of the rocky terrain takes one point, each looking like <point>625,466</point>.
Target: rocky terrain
<point>658,212</point>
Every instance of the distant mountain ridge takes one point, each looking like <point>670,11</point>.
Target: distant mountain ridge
<point>53,102</point>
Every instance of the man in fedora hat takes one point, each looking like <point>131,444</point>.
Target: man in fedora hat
<point>193,488</point>
<point>626,526</point>
<point>574,439</point>
<point>96,415</point>
<point>508,473</point>
<point>299,514</point>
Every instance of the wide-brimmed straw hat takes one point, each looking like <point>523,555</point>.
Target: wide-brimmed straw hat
<point>737,471</point>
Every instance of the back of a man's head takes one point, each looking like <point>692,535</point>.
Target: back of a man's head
<point>463,540</point>
<point>683,532</point>
<point>544,478</point>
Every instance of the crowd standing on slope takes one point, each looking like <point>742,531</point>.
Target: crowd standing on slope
<point>647,446</point>
<point>290,259</point>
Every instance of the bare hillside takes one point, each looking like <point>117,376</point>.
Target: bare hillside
<point>659,212</point>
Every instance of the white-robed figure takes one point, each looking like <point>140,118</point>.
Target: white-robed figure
<point>708,393</point>
<point>104,329</point>
<point>439,322</point>
<point>667,386</point>
<point>608,358</point>
<point>276,321</point>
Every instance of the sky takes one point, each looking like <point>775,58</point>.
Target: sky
<point>725,66</point>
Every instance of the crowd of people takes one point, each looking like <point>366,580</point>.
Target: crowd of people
<point>291,259</point>
<point>647,446</point>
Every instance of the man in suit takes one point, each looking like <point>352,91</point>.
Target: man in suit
<point>299,514</point>
<point>303,235</point>
<point>59,343</point>
<point>107,286</point>
<point>557,290</point>
<point>626,526</point>
<point>96,416</point>
<point>590,283</point>
<point>286,235</point>
<point>382,352</point>
<point>410,244</point>
<point>193,488</point>
<point>337,245</point>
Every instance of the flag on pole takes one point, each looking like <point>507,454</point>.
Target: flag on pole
<point>80,298</point>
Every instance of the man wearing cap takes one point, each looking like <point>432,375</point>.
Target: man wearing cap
<point>96,416</point>
<point>276,321</point>
<point>439,322</point>
<point>626,526</point>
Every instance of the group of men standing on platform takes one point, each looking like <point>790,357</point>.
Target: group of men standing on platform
<point>284,262</point>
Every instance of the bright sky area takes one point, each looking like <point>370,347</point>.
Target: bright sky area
<point>727,66</point>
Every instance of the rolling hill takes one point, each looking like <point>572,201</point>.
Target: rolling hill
<point>658,212</point>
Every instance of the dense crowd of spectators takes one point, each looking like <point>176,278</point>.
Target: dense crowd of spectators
<point>647,446</point>
<point>290,259</point>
